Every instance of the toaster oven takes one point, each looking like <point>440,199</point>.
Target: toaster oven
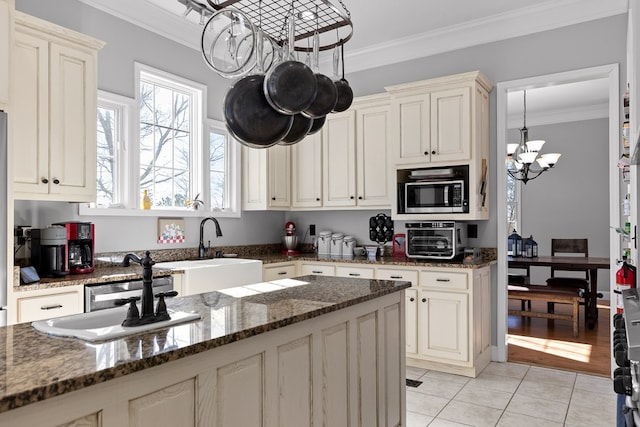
<point>435,240</point>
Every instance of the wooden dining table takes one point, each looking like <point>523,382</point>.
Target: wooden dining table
<point>577,263</point>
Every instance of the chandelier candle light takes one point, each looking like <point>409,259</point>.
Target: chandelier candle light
<point>521,156</point>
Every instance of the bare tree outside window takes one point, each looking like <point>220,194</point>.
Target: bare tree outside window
<point>106,151</point>
<point>217,170</point>
<point>165,144</point>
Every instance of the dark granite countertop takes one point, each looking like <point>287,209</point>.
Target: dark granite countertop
<point>35,366</point>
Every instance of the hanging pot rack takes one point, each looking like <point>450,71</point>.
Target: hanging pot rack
<point>311,16</point>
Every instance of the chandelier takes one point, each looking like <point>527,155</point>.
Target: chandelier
<point>521,156</point>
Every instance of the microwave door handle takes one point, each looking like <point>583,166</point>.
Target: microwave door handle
<point>446,195</point>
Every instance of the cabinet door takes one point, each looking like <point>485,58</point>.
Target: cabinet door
<point>306,168</point>
<point>372,138</point>
<point>412,114</point>
<point>29,118</point>
<point>451,125</point>
<point>317,269</point>
<point>5,50</point>
<point>279,165</point>
<point>443,325</point>
<point>482,310</point>
<point>411,314</point>
<point>339,150</point>
<point>73,99</point>
<point>39,307</point>
<point>278,271</point>
<point>357,272</point>
<point>254,182</point>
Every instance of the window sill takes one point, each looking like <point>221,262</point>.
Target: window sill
<point>84,209</point>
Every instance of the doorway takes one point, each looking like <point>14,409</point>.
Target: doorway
<point>608,72</point>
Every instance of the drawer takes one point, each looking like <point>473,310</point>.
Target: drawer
<point>444,280</point>
<point>396,274</point>
<point>317,270</point>
<point>48,306</point>
<point>279,271</point>
<point>358,272</point>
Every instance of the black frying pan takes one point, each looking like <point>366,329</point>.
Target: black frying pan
<point>290,86</point>
<point>299,129</point>
<point>317,125</point>
<point>327,95</point>
<point>345,93</point>
<point>250,118</point>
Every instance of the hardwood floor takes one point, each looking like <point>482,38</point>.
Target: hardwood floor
<point>551,343</point>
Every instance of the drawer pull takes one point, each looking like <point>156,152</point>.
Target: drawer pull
<point>442,280</point>
<point>282,273</point>
<point>396,277</point>
<point>354,274</point>
<point>50,307</point>
<point>316,271</point>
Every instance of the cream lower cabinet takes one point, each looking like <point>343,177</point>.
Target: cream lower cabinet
<point>318,269</point>
<point>453,320</point>
<point>30,306</point>
<point>53,114</point>
<point>344,368</point>
<point>279,270</point>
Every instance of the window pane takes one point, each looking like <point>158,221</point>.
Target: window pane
<point>106,161</point>
<point>217,169</point>
<point>165,144</point>
<point>146,103</point>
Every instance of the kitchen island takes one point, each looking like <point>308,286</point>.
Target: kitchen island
<point>309,350</point>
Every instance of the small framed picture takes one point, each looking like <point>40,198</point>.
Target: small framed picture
<point>171,230</point>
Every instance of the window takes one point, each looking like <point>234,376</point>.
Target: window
<point>114,127</point>
<point>173,152</point>
<point>513,204</point>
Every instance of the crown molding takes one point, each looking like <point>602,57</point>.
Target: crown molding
<point>547,16</point>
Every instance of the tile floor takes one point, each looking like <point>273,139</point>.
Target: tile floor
<point>510,394</point>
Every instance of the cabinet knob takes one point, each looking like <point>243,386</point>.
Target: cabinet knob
<point>317,199</point>
<point>273,198</point>
<point>424,300</point>
<point>412,299</point>
<point>433,152</point>
<point>45,181</point>
<point>352,197</point>
<point>359,197</point>
<point>426,153</point>
<point>56,181</point>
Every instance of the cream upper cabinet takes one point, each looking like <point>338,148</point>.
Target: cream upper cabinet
<point>6,33</point>
<point>339,160</point>
<point>373,133</point>
<point>433,119</point>
<point>279,177</point>
<point>53,117</point>
<point>356,169</point>
<point>306,172</point>
<point>254,182</point>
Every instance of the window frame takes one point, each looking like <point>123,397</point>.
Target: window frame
<point>129,154</point>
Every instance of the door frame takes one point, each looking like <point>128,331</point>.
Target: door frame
<point>611,72</point>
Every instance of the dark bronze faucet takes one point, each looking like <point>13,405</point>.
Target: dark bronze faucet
<point>201,249</point>
<point>134,318</point>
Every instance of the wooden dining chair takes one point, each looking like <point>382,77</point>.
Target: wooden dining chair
<point>569,247</point>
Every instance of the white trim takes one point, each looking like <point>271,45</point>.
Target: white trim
<point>521,22</point>
<point>563,115</point>
<point>232,169</point>
<point>605,71</point>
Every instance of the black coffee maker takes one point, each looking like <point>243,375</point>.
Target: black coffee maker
<point>49,251</point>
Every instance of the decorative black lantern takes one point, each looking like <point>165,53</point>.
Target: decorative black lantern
<point>530,248</point>
<point>514,246</point>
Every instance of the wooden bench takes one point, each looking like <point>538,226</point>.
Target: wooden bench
<point>543,293</point>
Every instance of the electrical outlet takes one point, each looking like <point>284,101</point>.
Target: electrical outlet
<point>312,229</point>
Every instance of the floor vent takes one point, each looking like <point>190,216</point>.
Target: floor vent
<point>413,383</point>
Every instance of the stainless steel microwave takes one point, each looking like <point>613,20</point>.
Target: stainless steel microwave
<point>437,196</point>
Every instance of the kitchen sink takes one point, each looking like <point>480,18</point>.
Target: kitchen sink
<point>104,324</point>
<point>208,275</point>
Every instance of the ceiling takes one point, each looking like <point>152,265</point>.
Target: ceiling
<point>387,32</point>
